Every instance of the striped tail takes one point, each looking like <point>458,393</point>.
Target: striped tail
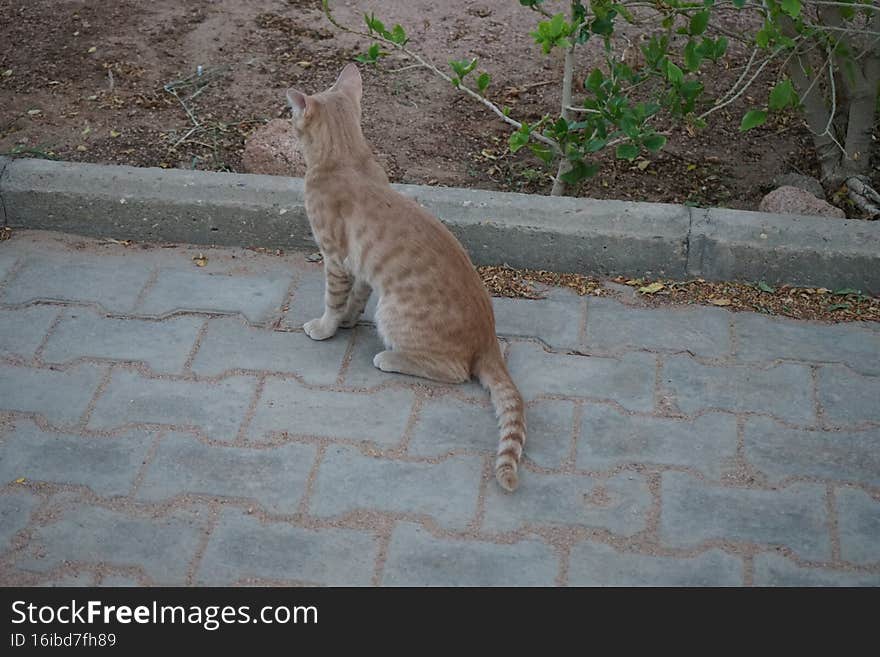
<point>510,410</point>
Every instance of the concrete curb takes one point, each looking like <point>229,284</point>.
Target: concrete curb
<point>540,232</point>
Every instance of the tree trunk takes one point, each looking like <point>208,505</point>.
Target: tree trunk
<point>559,186</point>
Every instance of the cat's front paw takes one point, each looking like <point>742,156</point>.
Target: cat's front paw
<point>316,329</point>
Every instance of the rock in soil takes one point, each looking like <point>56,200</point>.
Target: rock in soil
<point>791,200</point>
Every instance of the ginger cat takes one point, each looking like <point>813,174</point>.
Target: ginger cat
<point>434,315</point>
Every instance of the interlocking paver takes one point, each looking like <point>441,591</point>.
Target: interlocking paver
<point>694,512</point>
<point>610,438</point>
<point>221,447</point>
<point>595,564</point>
<point>415,558</point>
<point>613,326</point>
<point>163,346</point>
<point>275,477</point>
<point>242,547</point>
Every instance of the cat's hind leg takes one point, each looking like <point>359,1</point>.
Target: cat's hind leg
<point>428,366</point>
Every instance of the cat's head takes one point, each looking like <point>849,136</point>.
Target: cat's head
<point>330,109</point>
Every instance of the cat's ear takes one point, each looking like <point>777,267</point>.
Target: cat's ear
<point>349,82</point>
<point>300,104</point>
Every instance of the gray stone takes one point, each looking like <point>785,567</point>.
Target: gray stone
<point>118,581</point>
<point>415,558</point>
<point>163,546</point>
<point>108,466</point>
<point>556,320</point>
<point>613,327</point>
<point>858,520</point>
<point>258,298</point>
<point>595,564</point>
<point>361,373</point>
<point>610,438</point>
<point>216,408</point>
<point>784,390</point>
<point>694,512</point>
<point>164,346</point>
<point>16,507</point>
<point>241,547</point>
<point>308,298</point>
<point>806,183</point>
<point>775,570</point>
<point>348,481</point>
<point>8,258</point>
<point>761,339</point>
<point>274,477</point>
<point>286,406</point>
<point>628,380</point>
<point>23,330</point>
<point>780,452</point>
<point>231,344</point>
<point>112,282</point>
<point>71,580</point>
<point>848,398</point>
<point>736,245</point>
<point>792,200</point>
<point>60,396</point>
<point>618,504</point>
<point>449,424</point>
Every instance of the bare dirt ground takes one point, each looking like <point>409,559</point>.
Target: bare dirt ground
<point>83,80</point>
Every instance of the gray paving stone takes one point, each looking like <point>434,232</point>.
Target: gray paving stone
<point>361,373</point>
<point>74,579</point>
<point>23,329</point>
<point>15,513</point>
<point>106,465</point>
<point>163,546</point>
<point>776,570</point>
<point>242,547</point>
<point>112,282</point>
<point>781,452</point>
<point>858,520</point>
<point>628,380</point>
<point>848,398</point>
<point>164,346</point>
<point>231,344</point>
<point>118,581</point>
<point>415,558</point>
<point>694,512</point>
<point>613,326</point>
<point>447,424</point>
<point>761,338</point>
<point>287,406</point>
<point>275,477</point>
<point>308,298</point>
<point>555,320</point>
<point>617,504</point>
<point>784,390</point>
<point>610,438</point>
<point>258,298</point>
<point>8,258</point>
<point>595,564</point>
<point>217,408</point>
<point>60,396</point>
<point>348,481</point>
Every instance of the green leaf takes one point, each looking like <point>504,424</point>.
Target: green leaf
<point>692,56</point>
<point>595,145</point>
<point>398,35</point>
<point>483,81</point>
<point>753,119</point>
<point>674,74</point>
<point>791,7</point>
<point>699,21</point>
<point>840,306</point>
<point>845,291</point>
<point>579,171</point>
<point>766,288</point>
<point>594,81</point>
<point>519,138</point>
<point>782,95</point>
<point>542,152</point>
<point>654,143</point>
<point>739,4</point>
<point>463,67</point>
<point>627,152</point>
